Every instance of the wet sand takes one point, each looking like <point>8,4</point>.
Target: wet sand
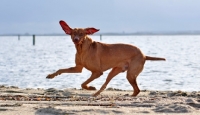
<point>18,101</point>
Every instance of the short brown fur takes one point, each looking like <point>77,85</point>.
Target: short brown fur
<point>98,57</point>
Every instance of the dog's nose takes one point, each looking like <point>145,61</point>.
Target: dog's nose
<point>76,40</point>
<point>76,37</point>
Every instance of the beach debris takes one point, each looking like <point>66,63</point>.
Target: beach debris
<point>2,86</point>
<point>14,87</point>
<point>153,93</point>
<point>11,105</point>
<point>177,93</point>
<point>51,90</point>
<point>189,101</point>
<point>175,108</point>
<point>113,89</point>
<point>126,95</point>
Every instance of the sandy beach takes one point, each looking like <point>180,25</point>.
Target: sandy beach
<point>18,101</point>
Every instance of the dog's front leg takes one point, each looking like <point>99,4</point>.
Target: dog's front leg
<point>92,77</point>
<point>76,69</point>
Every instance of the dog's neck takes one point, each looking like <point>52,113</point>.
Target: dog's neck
<point>84,45</point>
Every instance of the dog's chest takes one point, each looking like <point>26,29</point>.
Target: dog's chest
<point>90,62</point>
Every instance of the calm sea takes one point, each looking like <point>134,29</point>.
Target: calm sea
<point>26,66</point>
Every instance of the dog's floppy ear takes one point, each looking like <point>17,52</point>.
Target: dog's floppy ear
<point>65,27</point>
<point>90,31</point>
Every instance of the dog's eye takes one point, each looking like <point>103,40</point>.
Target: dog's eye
<point>75,32</point>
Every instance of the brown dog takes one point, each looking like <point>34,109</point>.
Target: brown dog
<point>99,57</point>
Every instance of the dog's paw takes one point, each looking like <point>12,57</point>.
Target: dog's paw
<point>96,94</point>
<point>91,88</point>
<point>50,76</point>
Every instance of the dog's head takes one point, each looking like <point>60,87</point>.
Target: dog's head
<point>77,34</point>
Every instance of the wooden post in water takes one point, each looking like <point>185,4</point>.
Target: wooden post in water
<point>18,37</point>
<point>100,37</point>
<point>33,39</point>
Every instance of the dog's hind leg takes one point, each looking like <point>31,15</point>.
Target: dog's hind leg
<point>134,70</point>
<point>112,74</point>
<point>92,77</point>
<point>133,83</point>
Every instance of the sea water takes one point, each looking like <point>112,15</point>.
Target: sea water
<point>26,66</point>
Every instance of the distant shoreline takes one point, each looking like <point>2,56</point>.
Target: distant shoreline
<point>113,34</point>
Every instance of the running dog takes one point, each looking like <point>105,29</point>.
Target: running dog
<point>98,57</point>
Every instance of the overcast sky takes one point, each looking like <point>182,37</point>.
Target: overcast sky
<point>42,16</point>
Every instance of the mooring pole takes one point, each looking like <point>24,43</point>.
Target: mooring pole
<point>18,37</point>
<point>33,39</point>
<point>100,37</point>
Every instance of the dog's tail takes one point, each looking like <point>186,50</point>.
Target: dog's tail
<point>154,58</point>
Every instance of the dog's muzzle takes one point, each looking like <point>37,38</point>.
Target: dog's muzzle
<point>76,39</point>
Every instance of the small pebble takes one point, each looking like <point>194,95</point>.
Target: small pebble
<point>189,101</point>
<point>2,86</point>
<point>170,94</point>
<point>152,93</point>
<point>15,87</point>
<point>126,95</point>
